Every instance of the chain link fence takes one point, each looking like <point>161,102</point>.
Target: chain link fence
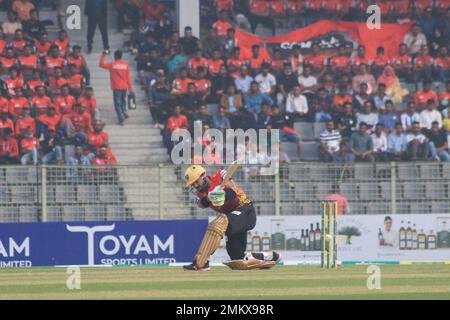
<point>64,193</point>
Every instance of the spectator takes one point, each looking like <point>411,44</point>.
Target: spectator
<point>380,98</point>
<point>6,122</point>
<point>164,27</point>
<point>104,157</point>
<point>380,144</point>
<point>231,101</point>
<point>29,148</point>
<point>159,91</point>
<point>9,150</point>
<point>442,65</point>
<point>215,63</point>
<point>221,120</point>
<point>189,43</point>
<point>120,82</point>
<point>17,103</point>
<point>243,81</point>
<point>264,116</point>
<point>278,121</point>
<point>76,58</point>
<point>97,137</point>
<point>418,144</point>
<point>33,28</point>
<point>297,104</point>
<point>379,62</point>
<point>388,118</point>
<point>316,60</point>
<point>438,143</point>
<point>368,116</point>
<point>211,43</point>
<point>64,103</point>
<point>223,24</point>
<point>414,40</point>
<point>255,98</point>
<point>428,22</point>
<point>25,121</point>
<point>266,80</point>
<point>409,117</point>
<point>153,12</point>
<point>229,43</point>
<point>421,97</point>
<point>234,63</point>
<point>52,147</point>
<point>346,121</point>
<point>176,121</point>
<point>286,82</point>
<point>343,155</point>
<point>340,99</point>
<point>190,101</point>
<point>23,8</point>
<point>330,140</point>
<point>96,12</point>
<point>220,83</point>
<point>397,143</point>
<point>203,84</point>
<point>340,63</point>
<point>11,26</point>
<point>203,116</point>
<point>128,14</point>
<point>402,64</point>
<point>196,61</point>
<point>361,97</point>
<point>437,40</point>
<point>307,82</point>
<point>430,115</point>
<point>77,159</point>
<point>361,144</point>
<point>364,76</point>
<point>423,64</point>
<point>47,121</point>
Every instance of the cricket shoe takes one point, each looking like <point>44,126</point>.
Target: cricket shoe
<point>193,267</point>
<point>276,257</point>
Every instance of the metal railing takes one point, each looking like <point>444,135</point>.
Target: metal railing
<point>83,193</point>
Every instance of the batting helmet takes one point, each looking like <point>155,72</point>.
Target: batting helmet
<point>192,174</point>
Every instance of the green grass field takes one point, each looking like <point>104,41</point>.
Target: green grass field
<point>282,282</point>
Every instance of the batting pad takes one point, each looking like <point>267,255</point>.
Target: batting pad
<point>249,264</point>
<point>211,241</point>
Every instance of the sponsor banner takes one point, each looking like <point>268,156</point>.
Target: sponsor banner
<point>99,243</point>
<point>361,238</point>
<point>330,35</point>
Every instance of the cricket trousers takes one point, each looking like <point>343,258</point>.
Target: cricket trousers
<point>240,221</point>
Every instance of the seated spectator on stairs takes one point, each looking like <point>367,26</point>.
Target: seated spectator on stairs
<point>9,149</point>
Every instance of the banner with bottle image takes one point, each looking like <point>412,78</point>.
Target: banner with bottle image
<point>382,238</point>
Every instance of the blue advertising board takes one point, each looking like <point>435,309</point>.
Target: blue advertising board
<point>99,243</point>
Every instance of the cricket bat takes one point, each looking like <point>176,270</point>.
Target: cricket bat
<point>231,170</point>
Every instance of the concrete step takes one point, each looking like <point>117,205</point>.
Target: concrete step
<point>134,130</point>
<point>115,138</point>
<point>141,152</point>
<point>130,159</point>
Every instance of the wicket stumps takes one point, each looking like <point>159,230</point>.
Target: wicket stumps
<point>328,256</point>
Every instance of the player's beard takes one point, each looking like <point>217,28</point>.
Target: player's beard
<point>204,187</point>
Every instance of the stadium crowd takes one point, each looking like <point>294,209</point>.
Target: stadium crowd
<point>369,112</point>
<point>46,99</point>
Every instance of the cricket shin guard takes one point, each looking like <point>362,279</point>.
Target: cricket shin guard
<point>211,241</point>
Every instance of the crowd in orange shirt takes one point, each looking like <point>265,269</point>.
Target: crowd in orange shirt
<point>45,93</point>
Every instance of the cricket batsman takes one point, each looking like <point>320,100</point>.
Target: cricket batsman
<point>236,216</point>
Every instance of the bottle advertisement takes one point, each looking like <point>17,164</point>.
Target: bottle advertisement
<point>360,239</point>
